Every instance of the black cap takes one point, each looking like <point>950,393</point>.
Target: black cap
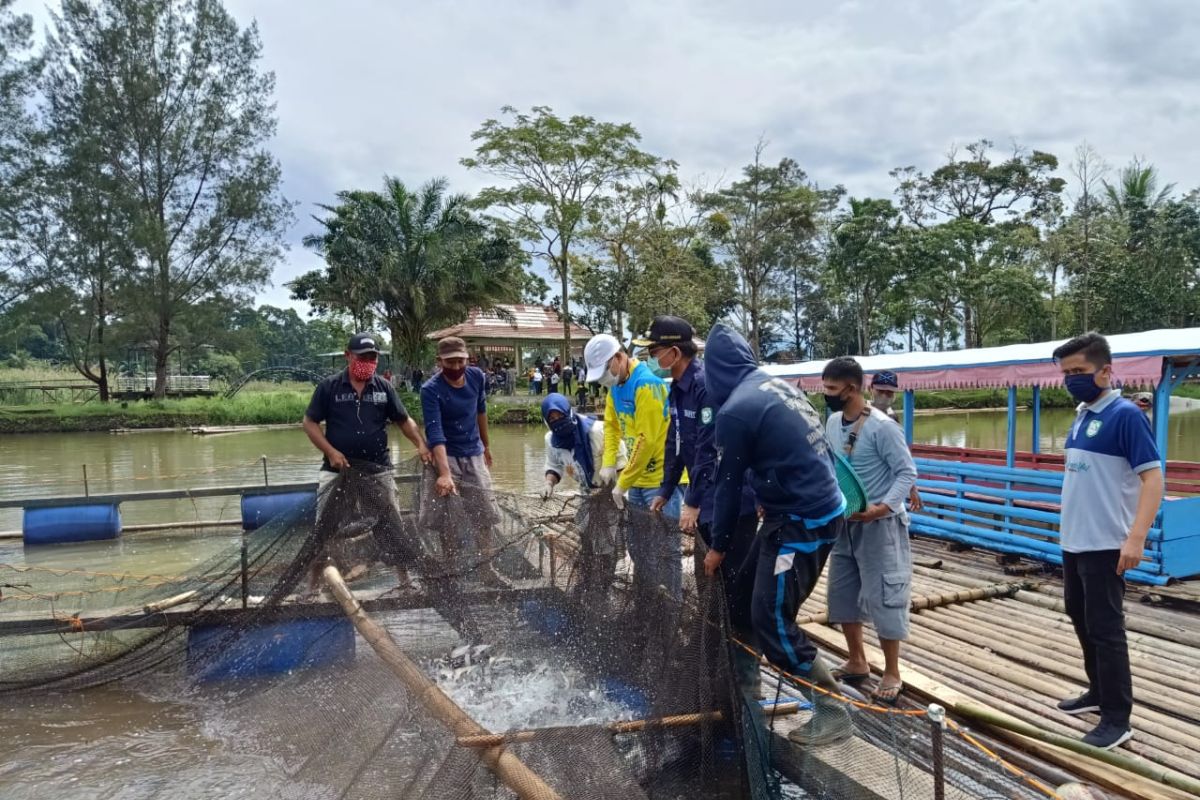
<point>666,331</point>
<point>361,343</point>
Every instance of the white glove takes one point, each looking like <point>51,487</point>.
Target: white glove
<point>548,489</point>
<point>607,476</point>
<point>618,495</point>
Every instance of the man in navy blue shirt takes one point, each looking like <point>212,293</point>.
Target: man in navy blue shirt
<point>767,427</point>
<point>672,350</point>
<point>356,406</point>
<point>454,405</point>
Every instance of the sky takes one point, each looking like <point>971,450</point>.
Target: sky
<point>849,89</point>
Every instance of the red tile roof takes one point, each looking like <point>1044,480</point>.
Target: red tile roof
<point>529,322</point>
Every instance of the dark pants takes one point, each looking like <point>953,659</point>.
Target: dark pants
<point>737,575</point>
<point>1094,594</point>
<point>790,559</point>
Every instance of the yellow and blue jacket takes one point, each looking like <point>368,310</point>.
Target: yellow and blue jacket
<point>637,413</point>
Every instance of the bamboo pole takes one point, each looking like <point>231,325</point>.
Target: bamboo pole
<point>937,600</point>
<point>628,726</point>
<point>925,686</point>
<point>1046,643</point>
<point>1133,622</point>
<point>955,664</point>
<point>507,767</point>
<point>1028,672</point>
<point>1119,760</point>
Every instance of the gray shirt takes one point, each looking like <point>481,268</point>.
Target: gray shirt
<point>880,458</point>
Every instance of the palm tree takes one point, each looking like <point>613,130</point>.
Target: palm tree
<point>1136,200</point>
<point>420,259</point>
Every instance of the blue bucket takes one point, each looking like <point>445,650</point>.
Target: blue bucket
<point>259,509</point>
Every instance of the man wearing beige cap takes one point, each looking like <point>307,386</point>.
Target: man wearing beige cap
<point>459,488</point>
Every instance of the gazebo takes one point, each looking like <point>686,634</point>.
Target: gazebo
<point>532,331</point>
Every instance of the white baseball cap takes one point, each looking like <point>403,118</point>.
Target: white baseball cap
<point>598,352</point>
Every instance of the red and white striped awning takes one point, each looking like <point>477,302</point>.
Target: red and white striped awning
<point>1137,361</point>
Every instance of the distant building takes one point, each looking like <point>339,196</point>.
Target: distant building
<point>533,332</point>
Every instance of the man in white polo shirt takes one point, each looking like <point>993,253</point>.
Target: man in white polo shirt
<point>1112,489</point>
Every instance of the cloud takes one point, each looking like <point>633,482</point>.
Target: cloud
<point>849,89</point>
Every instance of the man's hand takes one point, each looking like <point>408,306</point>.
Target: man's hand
<point>445,486</point>
<point>1131,554</point>
<point>914,500</point>
<point>607,476</point>
<point>657,504</point>
<point>712,562</point>
<point>874,511</point>
<point>424,453</point>
<point>618,496</point>
<point>487,457</point>
<point>689,518</point>
<point>337,461</point>
<point>762,513</point>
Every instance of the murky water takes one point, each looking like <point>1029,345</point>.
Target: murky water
<point>114,742</point>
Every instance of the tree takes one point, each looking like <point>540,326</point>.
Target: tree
<point>18,142</point>
<point>865,261</point>
<point>182,113</point>
<point>761,223</point>
<point>558,174</point>
<point>421,259</point>
<point>984,199</point>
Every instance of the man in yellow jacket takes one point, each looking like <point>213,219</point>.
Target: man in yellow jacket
<point>636,413</point>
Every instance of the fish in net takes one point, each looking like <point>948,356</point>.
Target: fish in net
<point>508,651</point>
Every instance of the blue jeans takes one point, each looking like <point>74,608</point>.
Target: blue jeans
<point>653,542</point>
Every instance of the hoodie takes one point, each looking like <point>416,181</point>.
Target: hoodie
<point>767,426</point>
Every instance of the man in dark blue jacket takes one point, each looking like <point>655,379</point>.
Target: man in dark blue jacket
<point>767,426</point>
<point>672,349</point>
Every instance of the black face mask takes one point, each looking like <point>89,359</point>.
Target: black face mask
<point>835,402</point>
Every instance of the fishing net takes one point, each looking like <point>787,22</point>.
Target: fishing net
<point>356,647</point>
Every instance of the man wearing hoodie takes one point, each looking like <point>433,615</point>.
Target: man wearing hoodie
<point>767,426</point>
<point>636,414</point>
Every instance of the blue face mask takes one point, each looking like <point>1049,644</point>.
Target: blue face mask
<point>658,369</point>
<point>1083,387</point>
<point>562,432</point>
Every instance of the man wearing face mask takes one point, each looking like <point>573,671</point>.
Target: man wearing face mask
<point>454,405</point>
<point>356,406</point>
<point>1112,489</point>
<point>883,392</point>
<point>691,452</point>
<point>636,413</point>
<point>870,566</point>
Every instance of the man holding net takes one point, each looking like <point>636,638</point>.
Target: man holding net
<point>636,413</point>
<point>459,487</point>
<point>671,345</point>
<point>356,406</point>
<point>767,426</point>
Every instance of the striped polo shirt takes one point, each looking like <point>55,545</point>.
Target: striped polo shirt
<point>1109,446</point>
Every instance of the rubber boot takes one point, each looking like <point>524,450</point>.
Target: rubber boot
<point>745,670</point>
<point>830,721</point>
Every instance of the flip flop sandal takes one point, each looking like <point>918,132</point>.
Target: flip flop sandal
<point>843,676</point>
<point>887,696</point>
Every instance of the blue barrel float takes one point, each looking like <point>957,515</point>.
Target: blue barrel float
<point>221,652</point>
<point>65,524</point>
<point>259,509</point>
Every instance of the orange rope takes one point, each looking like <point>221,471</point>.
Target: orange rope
<point>1015,770</point>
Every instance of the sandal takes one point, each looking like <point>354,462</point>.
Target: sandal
<point>887,695</point>
<point>842,676</point>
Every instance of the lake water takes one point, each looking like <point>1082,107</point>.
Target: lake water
<point>112,742</point>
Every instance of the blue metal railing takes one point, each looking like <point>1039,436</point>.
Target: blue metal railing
<point>1008,510</point>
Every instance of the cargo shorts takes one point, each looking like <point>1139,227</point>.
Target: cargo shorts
<point>870,577</point>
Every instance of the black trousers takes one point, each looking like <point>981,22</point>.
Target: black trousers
<point>1094,595</point>
<point>737,574</point>
<point>790,559</point>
